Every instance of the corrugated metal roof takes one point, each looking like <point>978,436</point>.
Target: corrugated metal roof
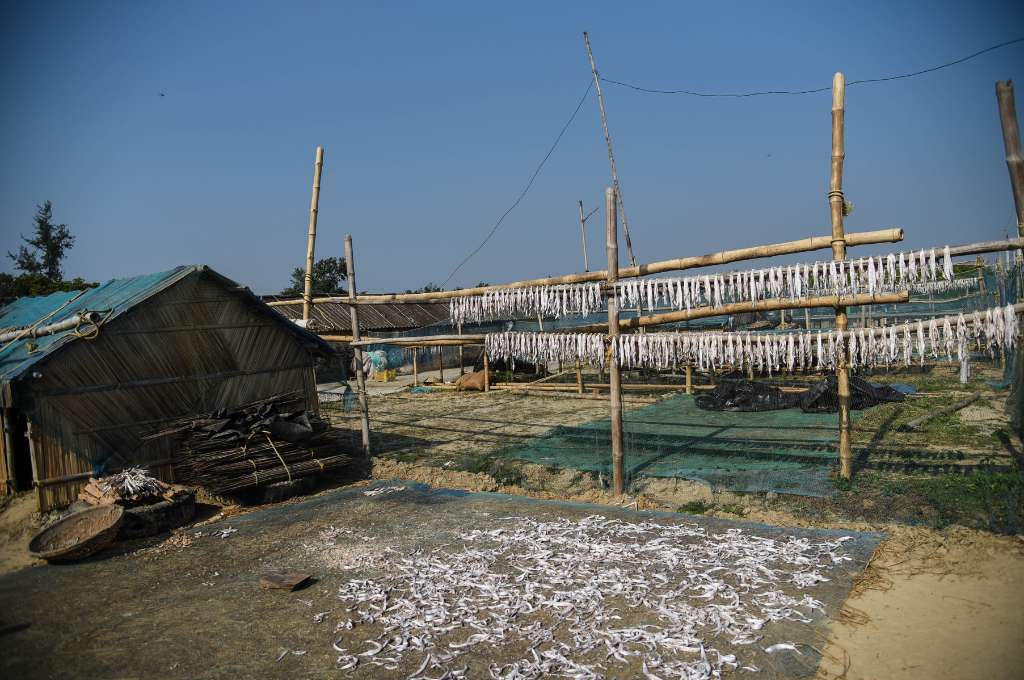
<point>112,298</point>
<point>333,317</point>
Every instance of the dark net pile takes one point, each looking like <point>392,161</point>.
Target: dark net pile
<point>734,392</point>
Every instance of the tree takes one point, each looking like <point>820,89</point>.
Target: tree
<point>48,247</point>
<point>328,274</point>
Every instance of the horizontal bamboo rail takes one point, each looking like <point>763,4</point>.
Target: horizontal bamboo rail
<point>746,307</point>
<point>424,341</point>
<point>712,259</point>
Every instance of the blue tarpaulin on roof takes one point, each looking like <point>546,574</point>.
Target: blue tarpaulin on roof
<point>113,297</point>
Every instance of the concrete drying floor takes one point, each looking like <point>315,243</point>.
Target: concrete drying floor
<point>192,607</point>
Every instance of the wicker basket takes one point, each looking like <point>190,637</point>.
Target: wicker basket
<point>78,535</point>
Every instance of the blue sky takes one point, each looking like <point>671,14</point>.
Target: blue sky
<point>433,115</point>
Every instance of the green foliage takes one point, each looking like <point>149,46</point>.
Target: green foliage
<point>13,287</point>
<point>47,248</point>
<point>431,287</point>
<point>328,273</point>
<point>695,508</point>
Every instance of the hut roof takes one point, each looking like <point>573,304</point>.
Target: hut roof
<point>111,299</point>
<point>334,317</point>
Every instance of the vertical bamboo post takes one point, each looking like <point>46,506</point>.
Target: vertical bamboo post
<point>579,378</point>
<point>440,362</point>
<point>33,459</point>
<point>689,379</point>
<point>1011,141</point>
<point>614,385</point>
<point>583,233</point>
<point>837,205</point>
<point>487,373</point>
<point>415,368</point>
<point>314,204</point>
<point>364,408</point>
<point>8,425</point>
<point>462,357</point>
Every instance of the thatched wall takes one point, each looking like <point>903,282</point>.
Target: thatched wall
<point>192,348</point>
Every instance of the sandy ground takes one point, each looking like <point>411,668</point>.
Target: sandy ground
<point>932,604</point>
<point>190,606</point>
<point>18,523</point>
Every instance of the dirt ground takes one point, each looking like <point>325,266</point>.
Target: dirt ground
<point>938,600</point>
<point>190,606</point>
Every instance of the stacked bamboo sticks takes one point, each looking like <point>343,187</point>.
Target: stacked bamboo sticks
<point>258,444</point>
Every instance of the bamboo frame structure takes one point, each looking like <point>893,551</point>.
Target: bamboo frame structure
<point>614,377</point>
<point>837,203</point>
<point>364,407</point>
<point>838,241</point>
<point>314,205</point>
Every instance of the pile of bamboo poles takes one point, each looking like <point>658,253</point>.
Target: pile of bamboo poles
<point>261,461</point>
<point>233,450</point>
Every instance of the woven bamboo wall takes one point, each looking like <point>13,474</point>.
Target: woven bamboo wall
<point>193,348</point>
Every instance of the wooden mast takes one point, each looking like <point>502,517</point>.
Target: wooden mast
<point>837,204</point>
<point>611,154</point>
<point>314,203</point>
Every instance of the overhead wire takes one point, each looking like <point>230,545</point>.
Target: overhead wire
<point>694,93</point>
<point>861,81</point>
<point>526,189</point>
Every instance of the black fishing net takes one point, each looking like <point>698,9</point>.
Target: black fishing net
<point>824,396</point>
<point>734,392</point>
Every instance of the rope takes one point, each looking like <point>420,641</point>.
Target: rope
<point>271,442</point>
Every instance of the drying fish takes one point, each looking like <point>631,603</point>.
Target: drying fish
<point>698,590</point>
<point>994,329</point>
<point>872,274</point>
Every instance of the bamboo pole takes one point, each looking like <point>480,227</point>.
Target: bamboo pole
<point>773,304</point>
<point>805,245</point>
<point>583,233</point>
<point>462,358</point>
<point>614,381</point>
<point>1011,142</point>
<point>579,377</point>
<point>916,423</point>
<point>487,373</point>
<point>689,379</point>
<point>608,143</point>
<point>415,368</point>
<point>8,425</point>
<point>34,460</point>
<point>314,203</point>
<point>838,209</point>
<point>440,362</point>
<point>364,408</point>
<point>424,340</point>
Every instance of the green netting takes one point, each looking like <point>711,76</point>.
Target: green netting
<point>786,451</point>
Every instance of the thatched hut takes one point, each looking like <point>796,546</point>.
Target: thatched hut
<point>86,376</point>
